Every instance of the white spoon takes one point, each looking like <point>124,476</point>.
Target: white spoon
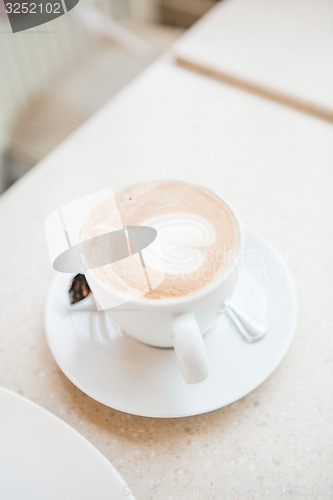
<point>250,329</point>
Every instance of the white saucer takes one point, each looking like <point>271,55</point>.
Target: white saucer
<point>42,457</point>
<point>129,376</point>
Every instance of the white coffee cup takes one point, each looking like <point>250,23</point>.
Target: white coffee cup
<point>178,323</point>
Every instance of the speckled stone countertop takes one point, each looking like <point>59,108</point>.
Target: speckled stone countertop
<point>275,165</point>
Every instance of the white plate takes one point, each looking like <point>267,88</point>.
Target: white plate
<point>43,458</point>
<point>127,375</point>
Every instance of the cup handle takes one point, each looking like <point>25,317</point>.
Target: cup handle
<point>190,349</point>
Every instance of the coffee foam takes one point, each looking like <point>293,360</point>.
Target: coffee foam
<point>198,238</point>
<point>182,237</point>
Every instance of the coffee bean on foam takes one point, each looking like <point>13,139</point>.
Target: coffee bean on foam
<point>198,235</point>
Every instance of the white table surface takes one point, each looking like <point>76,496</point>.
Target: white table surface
<point>275,165</point>
<point>282,47</point>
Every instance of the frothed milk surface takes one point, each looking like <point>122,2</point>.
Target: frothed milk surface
<point>198,236</point>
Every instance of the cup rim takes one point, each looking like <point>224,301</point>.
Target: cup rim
<point>144,302</point>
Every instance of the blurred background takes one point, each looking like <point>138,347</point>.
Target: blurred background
<point>53,77</point>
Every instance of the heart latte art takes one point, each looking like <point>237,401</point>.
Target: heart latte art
<point>183,237</point>
<point>198,238</point>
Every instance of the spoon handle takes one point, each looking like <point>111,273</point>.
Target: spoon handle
<point>251,329</point>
